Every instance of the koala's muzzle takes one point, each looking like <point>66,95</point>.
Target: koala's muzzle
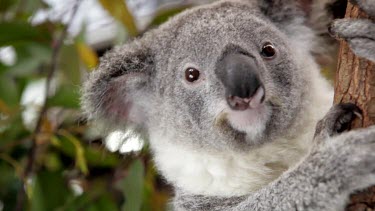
<point>239,75</point>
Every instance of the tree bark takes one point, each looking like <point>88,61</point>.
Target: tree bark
<point>355,83</point>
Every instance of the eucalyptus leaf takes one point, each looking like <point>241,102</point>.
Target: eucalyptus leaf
<point>8,90</point>
<point>104,203</point>
<point>94,156</point>
<point>69,65</point>
<point>49,191</point>
<point>30,57</point>
<point>6,5</point>
<point>119,10</point>
<point>12,33</point>
<point>133,186</point>
<point>12,129</point>
<point>9,184</point>
<point>79,151</point>
<point>66,97</point>
<point>88,55</point>
<point>163,15</point>
<point>101,158</point>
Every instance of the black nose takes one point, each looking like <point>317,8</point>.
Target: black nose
<point>239,74</point>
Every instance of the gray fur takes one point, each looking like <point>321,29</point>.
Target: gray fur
<point>359,33</point>
<point>337,165</point>
<point>141,85</point>
<point>367,5</point>
<point>321,182</point>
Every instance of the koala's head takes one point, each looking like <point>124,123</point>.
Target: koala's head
<point>230,75</point>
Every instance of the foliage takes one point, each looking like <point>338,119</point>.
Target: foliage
<point>55,158</point>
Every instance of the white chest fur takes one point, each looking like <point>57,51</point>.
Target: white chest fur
<point>227,174</point>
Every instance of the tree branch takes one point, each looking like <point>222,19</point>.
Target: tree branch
<point>355,83</point>
<point>29,169</point>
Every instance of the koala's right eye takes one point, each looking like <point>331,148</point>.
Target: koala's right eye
<point>192,74</point>
<point>268,50</point>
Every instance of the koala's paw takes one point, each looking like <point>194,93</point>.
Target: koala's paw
<point>366,5</point>
<point>353,155</point>
<point>359,33</point>
<point>337,120</point>
<point>345,162</point>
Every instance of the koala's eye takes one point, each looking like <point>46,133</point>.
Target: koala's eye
<point>268,50</point>
<point>192,74</point>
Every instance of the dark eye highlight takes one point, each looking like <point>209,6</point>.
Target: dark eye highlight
<point>192,74</point>
<point>268,50</point>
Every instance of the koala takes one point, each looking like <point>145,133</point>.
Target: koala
<point>235,109</point>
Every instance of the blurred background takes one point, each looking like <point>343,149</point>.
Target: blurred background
<point>51,158</point>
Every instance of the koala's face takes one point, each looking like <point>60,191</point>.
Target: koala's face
<point>221,76</point>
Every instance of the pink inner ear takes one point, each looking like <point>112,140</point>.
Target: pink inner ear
<point>120,105</point>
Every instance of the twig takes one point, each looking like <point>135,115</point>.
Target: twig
<point>38,129</point>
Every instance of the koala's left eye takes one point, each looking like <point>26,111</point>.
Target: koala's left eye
<point>192,74</point>
<point>268,50</point>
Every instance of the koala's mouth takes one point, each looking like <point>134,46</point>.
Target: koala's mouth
<point>251,119</point>
<point>254,102</point>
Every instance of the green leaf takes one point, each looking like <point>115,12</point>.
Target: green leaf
<point>104,203</point>
<point>94,156</point>
<point>12,33</point>
<point>99,157</point>
<point>69,65</point>
<point>52,161</point>
<point>133,187</point>
<point>119,10</point>
<point>30,6</point>
<point>10,185</point>
<point>6,4</point>
<point>163,15</point>
<point>96,197</point>
<point>30,56</point>
<point>66,97</point>
<point>77,203</point>
<point>79,152</point>
<point>3,68</point>
<point>12,129</point>
<point>8,90</point>
<point>49,191</point>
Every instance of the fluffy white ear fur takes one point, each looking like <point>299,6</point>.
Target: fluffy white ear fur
<point>117,89</point>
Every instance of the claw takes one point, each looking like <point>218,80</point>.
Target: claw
<point>358,115</point>
<point>338,119</point>
<point>346,115</point>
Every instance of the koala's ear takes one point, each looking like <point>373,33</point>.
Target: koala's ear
<point>288,10</point>
<point>117,90</point>
<point>280,10</point>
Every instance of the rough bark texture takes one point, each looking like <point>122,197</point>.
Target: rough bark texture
<point>355,82</point>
